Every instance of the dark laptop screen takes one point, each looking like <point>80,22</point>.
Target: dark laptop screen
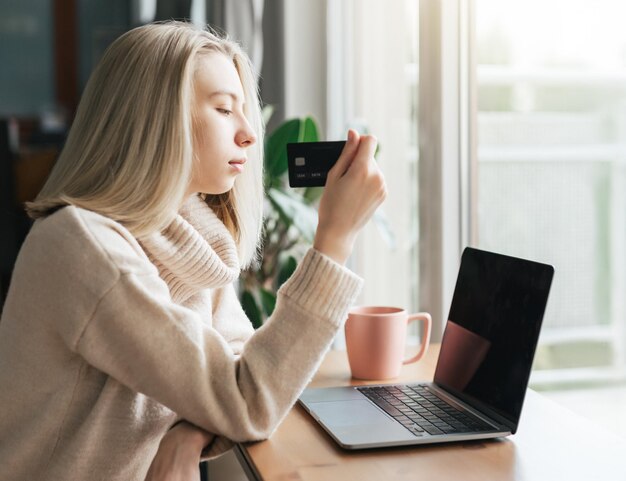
<point>492,331</point>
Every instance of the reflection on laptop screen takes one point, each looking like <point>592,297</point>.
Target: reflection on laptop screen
<point>493,328</point>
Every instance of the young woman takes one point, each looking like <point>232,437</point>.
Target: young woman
<point>124,352</point>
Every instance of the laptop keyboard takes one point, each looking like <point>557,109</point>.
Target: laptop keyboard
<point>421,411</point>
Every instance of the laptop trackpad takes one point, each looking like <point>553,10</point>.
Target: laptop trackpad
<point>349,413</point>
<point>358,423</point>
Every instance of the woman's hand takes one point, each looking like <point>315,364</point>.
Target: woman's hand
<point>355,187</point>
<point>178,456</point>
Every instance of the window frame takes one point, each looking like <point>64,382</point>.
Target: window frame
<point>447,149</point>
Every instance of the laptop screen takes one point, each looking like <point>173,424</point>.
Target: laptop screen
<point>492,331</point>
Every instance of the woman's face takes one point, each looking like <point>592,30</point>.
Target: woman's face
<point>221,132</point>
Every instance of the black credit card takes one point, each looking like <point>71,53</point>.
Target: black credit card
<point>309,162</point>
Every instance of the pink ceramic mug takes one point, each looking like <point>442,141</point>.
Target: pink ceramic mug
<point>376,340</point>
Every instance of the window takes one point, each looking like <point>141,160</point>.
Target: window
<point>521,149</point>
<point>551,171</point>
<point>27,74</point>
<point>373,80</point>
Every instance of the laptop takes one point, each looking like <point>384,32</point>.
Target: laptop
<point>482,372</point>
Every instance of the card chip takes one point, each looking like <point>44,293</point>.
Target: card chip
<point>300,161</point>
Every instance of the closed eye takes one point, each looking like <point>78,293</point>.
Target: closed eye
<point>225,111</point>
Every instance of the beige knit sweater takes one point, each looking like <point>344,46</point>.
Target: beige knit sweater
<point>106,341</point>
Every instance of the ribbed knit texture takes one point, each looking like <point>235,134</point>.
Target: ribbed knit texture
<point>194,252</point>
<point>327,280</point>
<point>106,342</point>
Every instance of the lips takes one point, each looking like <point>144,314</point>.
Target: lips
<point>237,164</point>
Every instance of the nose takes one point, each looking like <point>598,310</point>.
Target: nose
<point>245,136</point>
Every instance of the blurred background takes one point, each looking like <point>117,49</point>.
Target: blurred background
<point>502,124</point>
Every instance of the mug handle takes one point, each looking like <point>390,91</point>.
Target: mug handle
<point>428,322</point>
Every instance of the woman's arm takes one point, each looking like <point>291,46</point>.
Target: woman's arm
<point>178,455</point>
<point>154,346</point>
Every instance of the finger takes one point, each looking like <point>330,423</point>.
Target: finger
<point>347,155</point>
<point>365,153</point>
<point>367,147</point>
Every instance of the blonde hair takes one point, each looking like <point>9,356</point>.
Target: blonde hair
<point>129,153</point>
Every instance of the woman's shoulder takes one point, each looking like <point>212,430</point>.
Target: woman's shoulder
<point>78,235</point>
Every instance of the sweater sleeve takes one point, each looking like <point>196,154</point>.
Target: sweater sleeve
<point>156,347</point>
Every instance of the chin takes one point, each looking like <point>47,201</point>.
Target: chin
<point>215,190</point>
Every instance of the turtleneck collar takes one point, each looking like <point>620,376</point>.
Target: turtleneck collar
<point>196,251</point>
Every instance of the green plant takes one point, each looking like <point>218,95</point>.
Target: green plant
<point>290,220</point>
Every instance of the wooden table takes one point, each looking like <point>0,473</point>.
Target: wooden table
<point>552,443</point>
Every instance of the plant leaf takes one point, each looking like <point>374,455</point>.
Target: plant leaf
<point>276,148</point>
<point>312,194</point>
<point>251,309</point>
<point>268,301</point>
<point>309,131</point>
<point>286,270</point>
<point>294,212</point>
